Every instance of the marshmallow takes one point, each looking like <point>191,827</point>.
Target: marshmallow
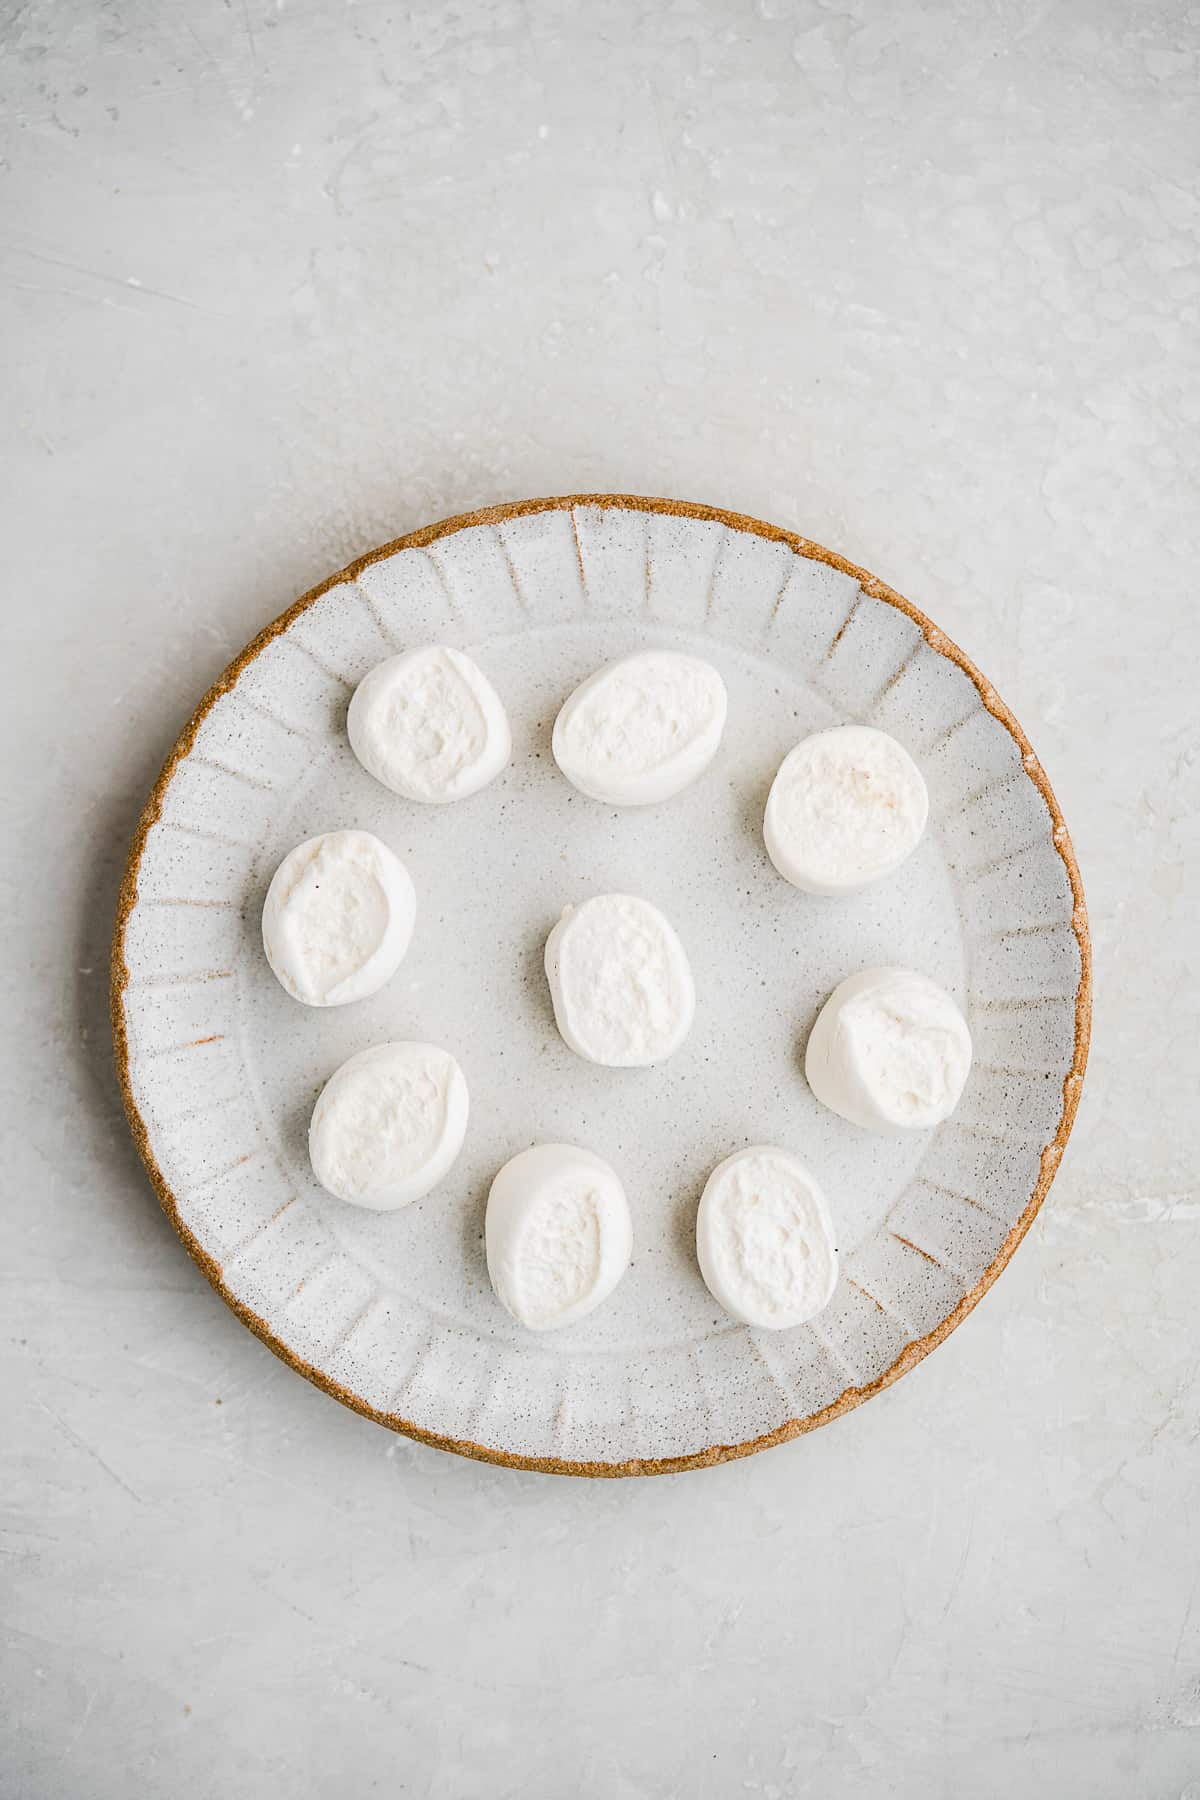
<point>890,1051</point>
<point>641,729</point>
<point>620,982</point>
<point>558,1233</point>
<point>388,1125</point>
<point>846,807</point>
<point>338,918</point>
<point>429,725</point>
<point>764,1239</point>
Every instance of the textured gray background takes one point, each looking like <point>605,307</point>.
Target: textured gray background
<point>282,278</point>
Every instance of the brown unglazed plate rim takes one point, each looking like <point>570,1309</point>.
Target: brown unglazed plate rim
<point>1050,1158</point>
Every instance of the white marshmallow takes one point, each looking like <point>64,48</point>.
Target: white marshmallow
<point>558,1232</point>
<point>890,1051</point>
<point>846,807</point>
<point>764,1239</point>
<point>338,918</point>
<point>641,729</point>
<point>620,982</point>
<point>429,725</point>
<point>388,1125</point>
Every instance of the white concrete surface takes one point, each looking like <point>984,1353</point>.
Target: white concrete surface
<point>280,280</point>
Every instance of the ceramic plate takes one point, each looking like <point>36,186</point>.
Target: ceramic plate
<point>393,1313</point>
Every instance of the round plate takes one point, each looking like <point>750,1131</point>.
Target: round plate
<point>393,1313</point>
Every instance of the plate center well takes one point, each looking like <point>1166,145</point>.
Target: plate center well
<point>492,875</point>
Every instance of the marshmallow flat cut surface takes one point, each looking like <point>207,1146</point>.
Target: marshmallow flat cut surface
<point>429,725</point>
<point>620,982</point>
<point>338,918</point>
<point>764,1239</point>
<point>846,808</point>
<point>890,1051</point>
<point>641,729</point>
<point>559,1235</point>
<point>389,1125</point>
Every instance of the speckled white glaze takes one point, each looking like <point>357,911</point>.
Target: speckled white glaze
<point>397,1310</point>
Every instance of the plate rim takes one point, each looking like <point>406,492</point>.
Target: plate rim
<point>1051,1155</point>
